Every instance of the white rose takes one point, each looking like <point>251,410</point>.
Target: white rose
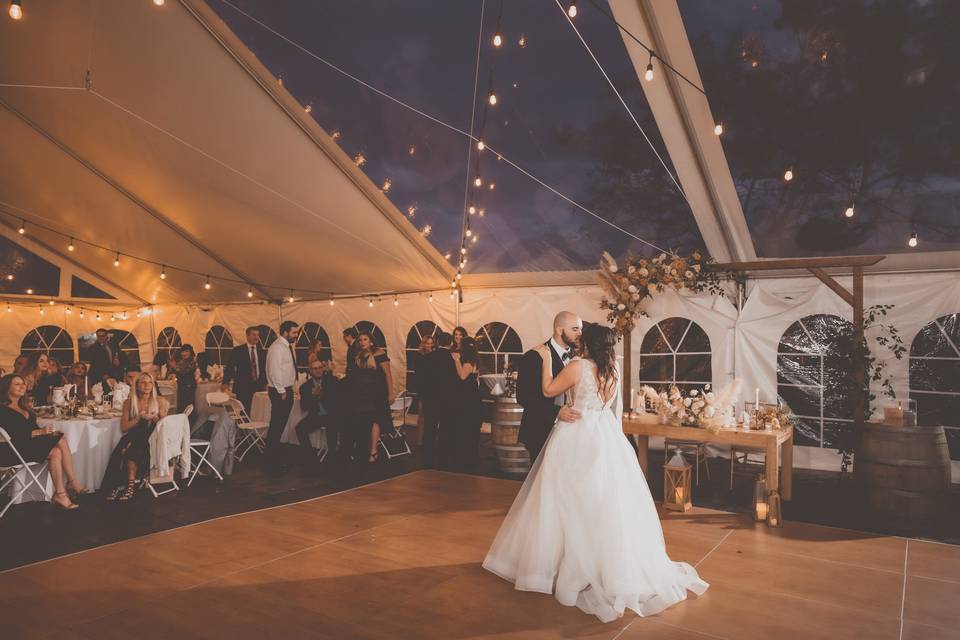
<point>635,297</point>
<point>688,402</point>
<point>644,273</point>
<point>631,269</point>
<point>710,412</point>
<point>613,268</point>
<point>673,271</point>
<point>694,392</point>
<point>621,307</point>
<point>688,274</point>
<point>632,288</point>
<point>710,397</point>
<point>706,387</point>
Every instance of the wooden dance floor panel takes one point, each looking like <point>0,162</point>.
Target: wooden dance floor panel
<point>401,559</point>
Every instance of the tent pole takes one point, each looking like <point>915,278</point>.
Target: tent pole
<point>627,371</point>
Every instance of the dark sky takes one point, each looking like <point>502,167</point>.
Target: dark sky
<point>424,53</point>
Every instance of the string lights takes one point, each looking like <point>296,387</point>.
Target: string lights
<point>572,9</point>
<point>788,174</point>
<point>23,227</point>
<point>71,247</point>
<point>16,9</point>
<point>849,211</point>
<point>648,74</point>
<point>913,241</point>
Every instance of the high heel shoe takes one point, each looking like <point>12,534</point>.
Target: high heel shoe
<point>128,492</point>
<point>77,489</point>
<point>69,506</point>
<point>373,456</point>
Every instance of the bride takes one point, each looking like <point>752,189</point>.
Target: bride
<point>584,526</point>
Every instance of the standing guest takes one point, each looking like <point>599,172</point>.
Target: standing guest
<point>101,356</point>
<point>33,371</point>
<point>427,345</point>
<point>437,374</point>
<point>185,370</point>
<point>19,363</point>
<point>467,417</point>
<point>130,460</point>
<point>281,376</point>
<point>35,444</point>
<point>371,384</point>
<point>459,335</point>
<point>116,372</point>
<point>350,339</point>
<point>246,369</point>
<point>53,378</point>
<point>318,351</point>
<point>313,401</point>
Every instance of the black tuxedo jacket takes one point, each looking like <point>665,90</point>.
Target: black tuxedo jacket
<point>100,361</point>
<point>238,367</point>
<point>437,377</point>
<point>539,412</point>
<point>311,404</point>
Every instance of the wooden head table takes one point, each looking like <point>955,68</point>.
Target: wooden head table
<point>777,444</point>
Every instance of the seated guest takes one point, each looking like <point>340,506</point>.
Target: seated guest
<point>35,444</point>
<point>77,375</point>
<point>371,387</point>
<point>130,460</point>
<point>19,363</point>
<point>185,370</point>
<point>32,371</point>
<point>313,401</point>
<point>466,417</point>
<point>53,378</point>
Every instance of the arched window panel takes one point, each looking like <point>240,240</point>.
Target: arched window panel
<point>49,339</point>
<point>217,344</point>
<point>416,334</point>
<point>267,335</point>
<point>128,344</point>
<point>310,332</point>
<point>497,345</point>
<point>168,341</point>
<point>813,378</point>
<point>675,351</point>
<point>365,326</point>
<point>935,377</point>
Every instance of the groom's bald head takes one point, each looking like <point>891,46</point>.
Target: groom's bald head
<point>566,328</point>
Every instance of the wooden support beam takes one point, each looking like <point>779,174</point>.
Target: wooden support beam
<point>798,263</point>
<point>835,286</point>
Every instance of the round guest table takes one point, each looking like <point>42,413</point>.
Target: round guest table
<point>91,442</point>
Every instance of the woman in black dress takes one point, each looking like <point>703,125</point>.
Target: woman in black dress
<point>130,460</point>
<point>51,379</point>
<point>459,335</point>
<point>467,416</point>
<point>35,444</point>
<point>32,373</point>
<point>371,385</point>
<point>185,368</point>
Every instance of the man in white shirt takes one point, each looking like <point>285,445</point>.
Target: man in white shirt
<point>281,376</point>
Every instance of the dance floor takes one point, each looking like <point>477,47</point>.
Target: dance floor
<point>401,559</point>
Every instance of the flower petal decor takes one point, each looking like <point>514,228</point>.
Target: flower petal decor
<point>627,286</point>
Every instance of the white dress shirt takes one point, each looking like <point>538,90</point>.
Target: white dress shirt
<point>281,369</point>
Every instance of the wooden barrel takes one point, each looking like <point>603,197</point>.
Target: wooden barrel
<point>513,458</point>
<point>903,474</point>
<point>505,426</point>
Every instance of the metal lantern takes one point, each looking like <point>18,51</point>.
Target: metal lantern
<point>760,506</point>
<point>676,484</point>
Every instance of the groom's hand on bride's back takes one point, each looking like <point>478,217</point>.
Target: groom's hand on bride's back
<point>568,414</point>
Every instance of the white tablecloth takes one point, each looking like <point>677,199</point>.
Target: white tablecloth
<point>90,441</point>
<point>201,410</point>
<point>260,412</point>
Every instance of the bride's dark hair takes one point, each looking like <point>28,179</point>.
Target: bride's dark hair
<point>599,343</point>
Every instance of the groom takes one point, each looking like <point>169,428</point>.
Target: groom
<point>541,413</point>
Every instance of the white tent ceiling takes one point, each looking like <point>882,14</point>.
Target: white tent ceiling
<point>181,148</point>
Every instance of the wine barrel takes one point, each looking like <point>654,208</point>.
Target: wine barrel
<point>903,474</point>
<point>505,426</point>
<point>513,458</point>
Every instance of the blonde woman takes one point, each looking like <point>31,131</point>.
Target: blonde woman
<point>130,461</point>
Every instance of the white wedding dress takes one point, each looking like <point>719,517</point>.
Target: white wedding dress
<point>584,526</point>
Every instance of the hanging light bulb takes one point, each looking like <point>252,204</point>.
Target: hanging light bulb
<point>474,238</point>
<point>159,3</point>
<point>138,313</point>
<point>913,241</point>
<point>429,299</point>
<point>426,230</point>
<point>71,247</point>
<point>308,108</point>
<point>9,309</point>
<point>412,150</point>
<point>718,129</point>
<point>332,302</point>
<point>788,174</point>
<point>472,209</point>
<point>386,185</point>
<point>522,41</point>
<point>463,250</point>
<point>336,134</point>
<point>51,303</point>
<point>360,159</point>
<point>81,314</point>
<point>116,261</point>
<point>69,311</point>
<point>492,98</point>
<point>480,145</point>
<point>497,39</point>
<point>572,9</point>
<point>492,186</point>
<point>98,315</point>
<point>124,315</point>
<point>206,285</point>
<point>648,74</point>
<point>396,301</point>
<point>163,272</point>
<point>29,292</point>
<point>412,210</point>
<point>42,311</point>
<point>477,181</point>
<point>452,293</point>
<point>469,232</point>
<point>9,276</point>
<point>16,10</point>
<point>481,212</point>
<point>23,224</point>
<point>250,292</point>
<point>370,304</point>
<point>453,283</point>
<point>290,298</point>
<point>849,211</point>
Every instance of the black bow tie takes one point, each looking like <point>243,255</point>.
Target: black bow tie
<point>567,355</point>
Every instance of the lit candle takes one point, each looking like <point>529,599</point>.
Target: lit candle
<point>762,511</point>
<point>756,402</point>
<point>679,495</point>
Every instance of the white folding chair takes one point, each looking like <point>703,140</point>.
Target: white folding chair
<point>199,448</point>
<point>154,478</point>
<point>394,443</point>
<point>254,433</point>
<point>13,471</point>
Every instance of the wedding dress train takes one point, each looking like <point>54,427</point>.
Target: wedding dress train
<point>584,525</point>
